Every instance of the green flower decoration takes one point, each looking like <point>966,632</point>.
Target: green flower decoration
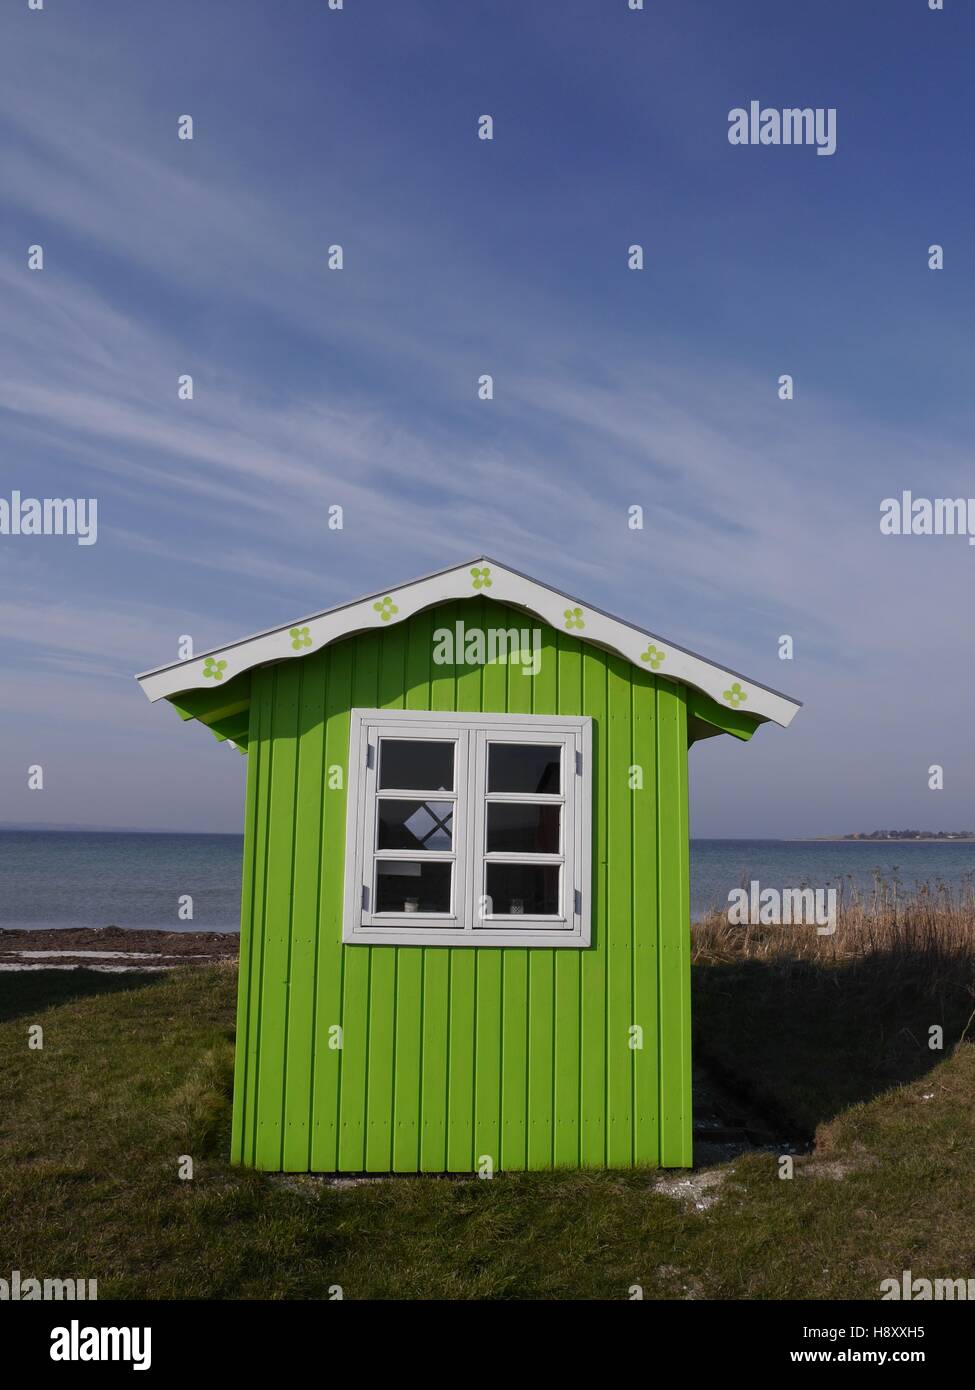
<point>573,617</point>
<point>735,695</point>
<point>654,655</point>
<point>386,608</point>
<point>214,668</point>
<point>482,577</point>
<point>300,637</point>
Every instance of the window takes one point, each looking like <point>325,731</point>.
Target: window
<point>468,829</point>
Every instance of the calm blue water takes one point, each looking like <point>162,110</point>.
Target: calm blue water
<point>718,866</point>
<point>91,879</point>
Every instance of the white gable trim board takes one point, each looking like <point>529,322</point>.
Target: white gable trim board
<point>489,579</point>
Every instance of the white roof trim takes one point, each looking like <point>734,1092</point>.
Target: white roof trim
<point>381,610</point>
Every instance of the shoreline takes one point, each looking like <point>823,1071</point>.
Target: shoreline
<point>112,949</point>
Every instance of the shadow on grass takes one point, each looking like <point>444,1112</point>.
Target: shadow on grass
<point>804,1039</point>
<point>29,992</point>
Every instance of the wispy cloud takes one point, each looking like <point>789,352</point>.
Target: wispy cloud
<point>358,389</point>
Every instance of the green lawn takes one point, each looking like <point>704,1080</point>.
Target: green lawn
<point>135,1071</point>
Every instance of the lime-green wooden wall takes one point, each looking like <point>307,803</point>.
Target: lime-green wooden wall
<point>449,1054</point>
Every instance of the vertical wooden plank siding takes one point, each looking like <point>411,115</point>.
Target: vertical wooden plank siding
<point>673,907</point>
<point>356,1022</point>
<point>329,969</point>
<point>251,936</point>
<point>646,953</point>
<point>568,964</point>
<point>304,924</point>
<point>278,923</point>
<point>592,1063</point>
<point>379,1058</point>
<point>619,898</point>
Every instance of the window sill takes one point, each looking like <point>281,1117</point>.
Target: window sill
<point>423,934</point>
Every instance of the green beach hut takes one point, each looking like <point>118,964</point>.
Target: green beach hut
<point>465,907</point>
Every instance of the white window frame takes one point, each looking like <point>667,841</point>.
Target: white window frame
<point>465,924</point>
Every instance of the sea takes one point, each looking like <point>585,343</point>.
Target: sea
<point>98,879</point>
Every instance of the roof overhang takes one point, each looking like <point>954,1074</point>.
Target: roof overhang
<point>741,698</point>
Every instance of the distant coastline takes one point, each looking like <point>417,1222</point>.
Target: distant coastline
<point>910,837</point>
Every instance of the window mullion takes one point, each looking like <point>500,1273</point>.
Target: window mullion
<point>470,828</point>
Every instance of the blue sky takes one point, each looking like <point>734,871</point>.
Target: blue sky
<point>462,256</point>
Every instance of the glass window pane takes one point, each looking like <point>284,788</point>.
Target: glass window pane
<point>514,889</point>
<point>414,825</point>
<point>521,827</point>
<point>423,765</point>
<point>408,886</point>
<point>524,767</point>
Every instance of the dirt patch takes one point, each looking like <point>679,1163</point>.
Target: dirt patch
<point>112,948</point>
<point>700,1190</point>
<point>836,1168</point>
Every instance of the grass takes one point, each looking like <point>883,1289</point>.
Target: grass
<point>136,1071</point>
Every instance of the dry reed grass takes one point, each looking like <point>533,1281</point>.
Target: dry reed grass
<point>933,923</point>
